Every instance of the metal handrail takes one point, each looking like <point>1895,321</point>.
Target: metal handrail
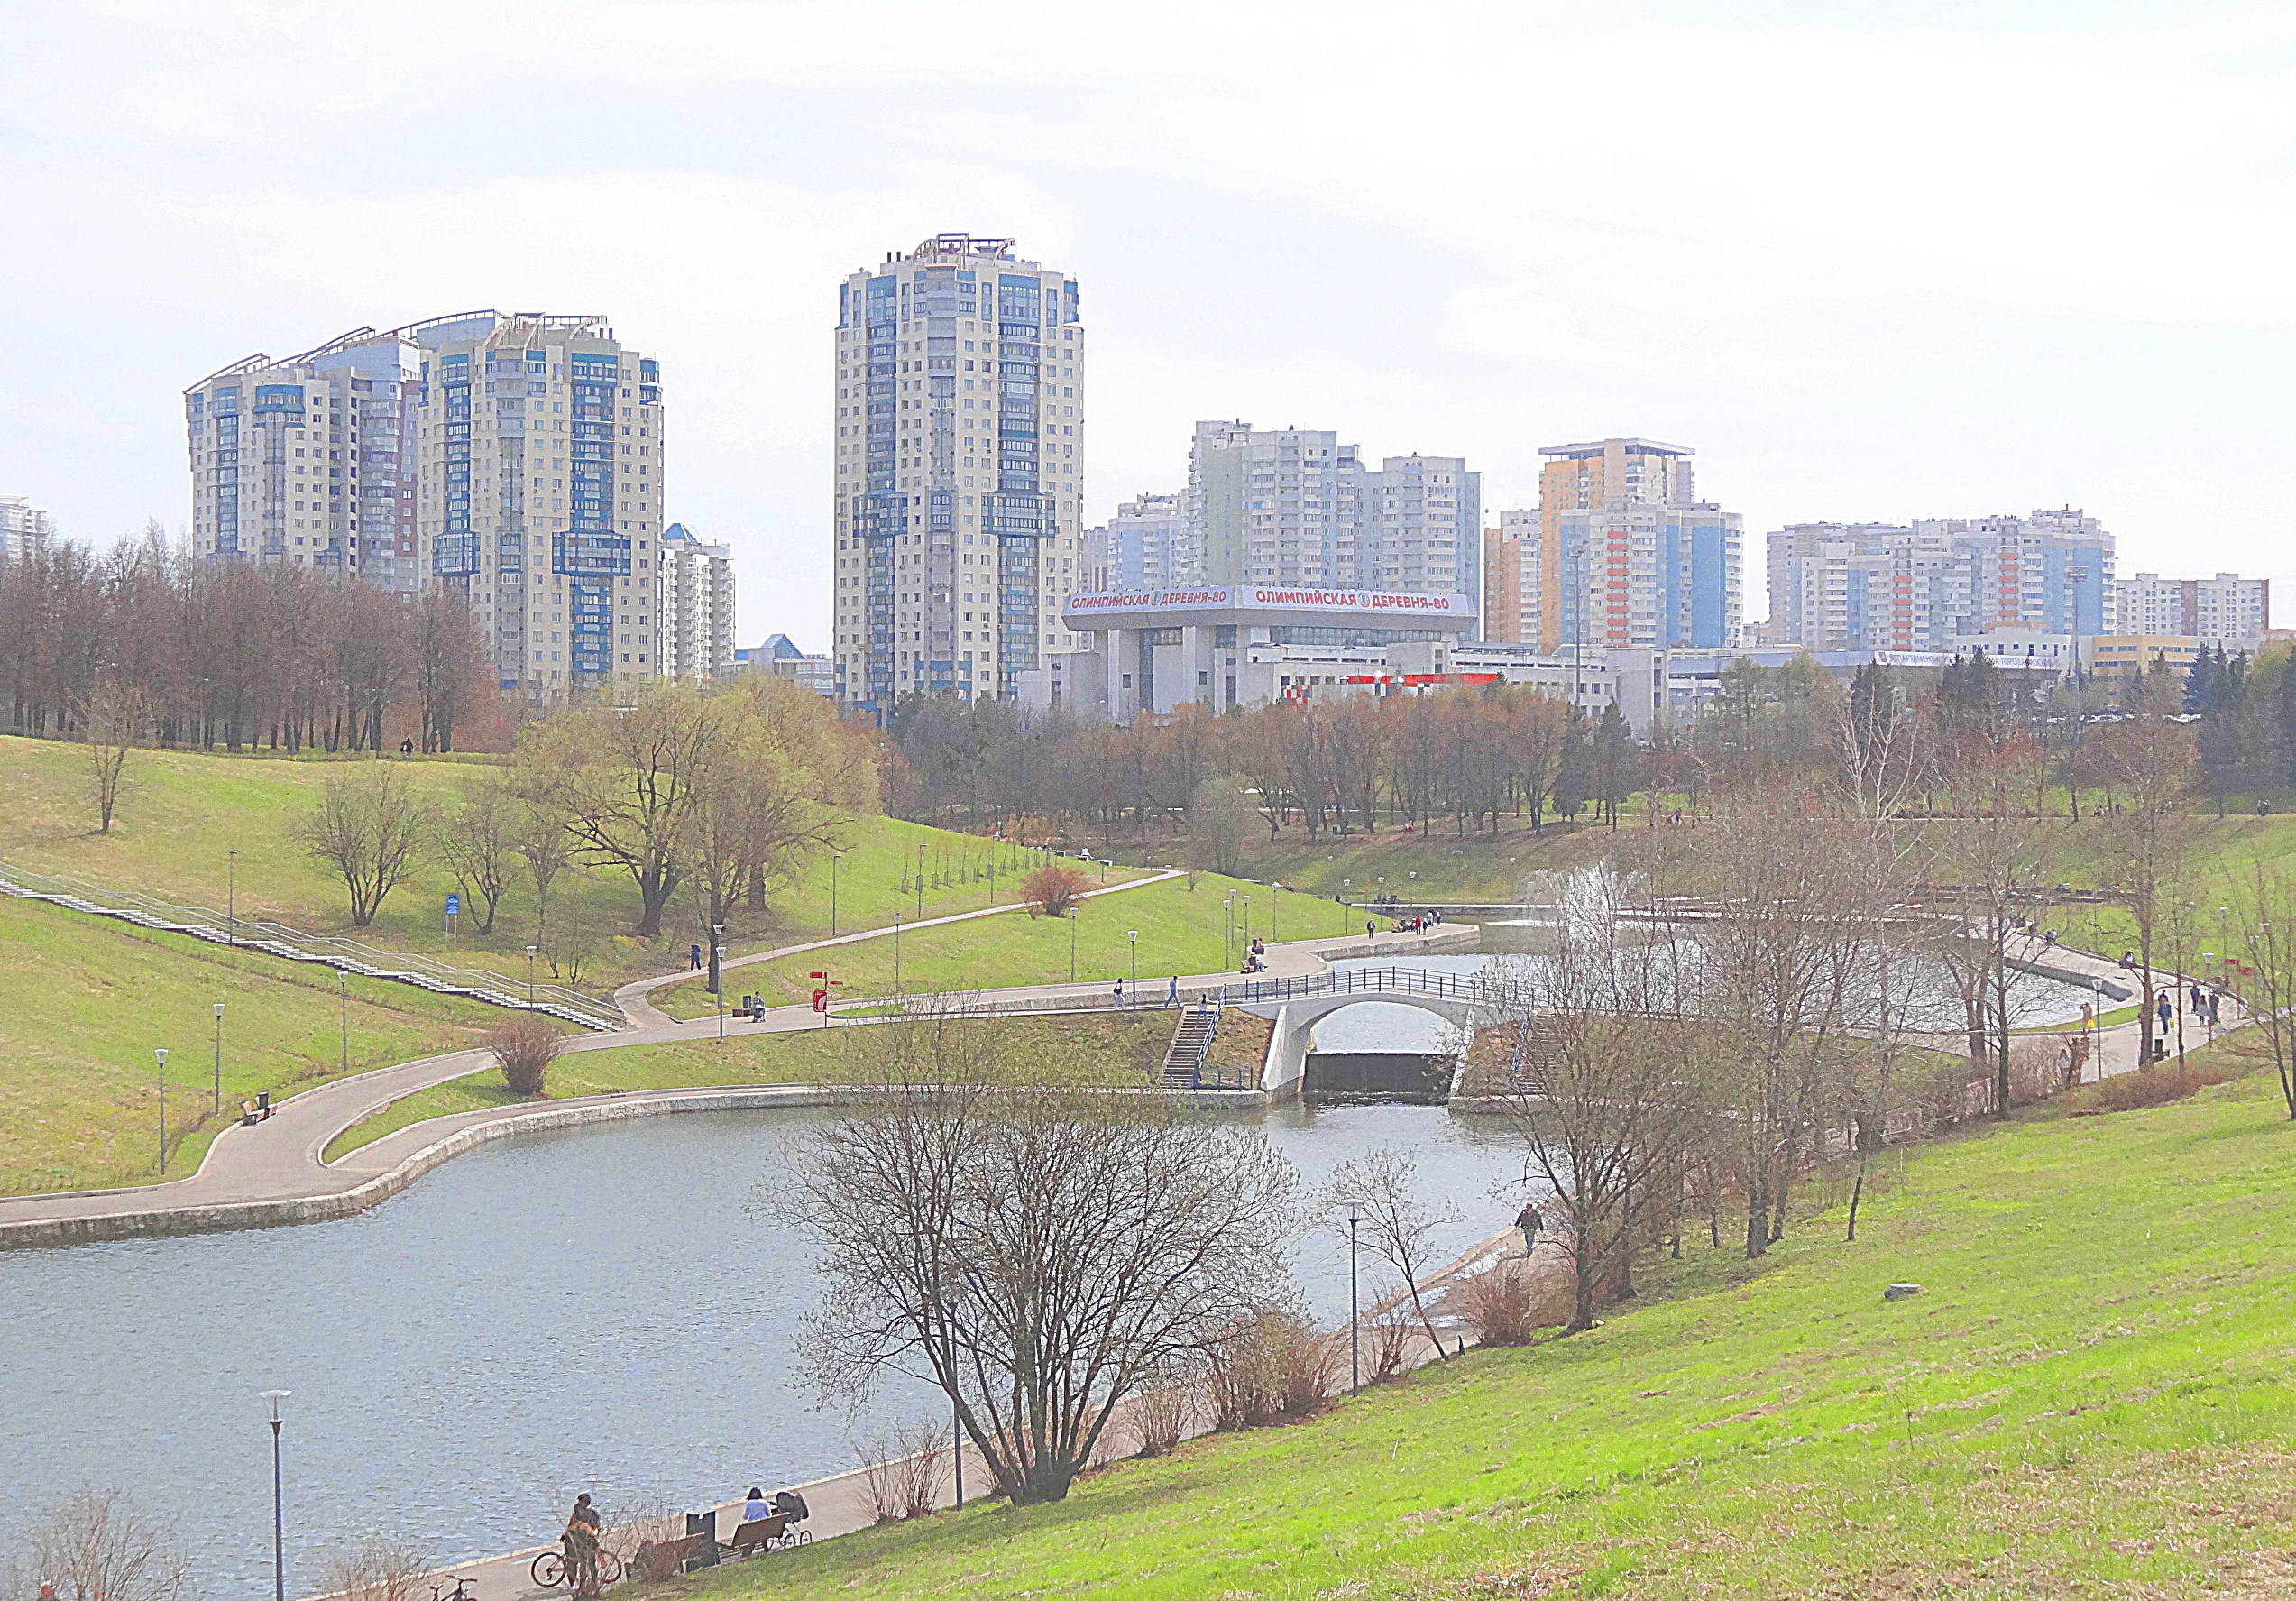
<point>277,939</point>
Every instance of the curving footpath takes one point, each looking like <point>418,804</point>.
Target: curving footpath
<point>270,1173</point>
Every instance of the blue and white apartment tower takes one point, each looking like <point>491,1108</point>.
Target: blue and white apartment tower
<point>959,403</point>
<point>540,440</point>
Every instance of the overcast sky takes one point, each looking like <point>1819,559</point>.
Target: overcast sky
<point>2007,257</point>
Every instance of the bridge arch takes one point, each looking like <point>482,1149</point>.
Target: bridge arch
<point>1283,1075</point>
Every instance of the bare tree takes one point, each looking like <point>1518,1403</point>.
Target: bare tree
<point>2149,837</point>
<point>1997,860</point>
<point>1604,1091</point>
<point>371,828</point>
<point>111,717</point>
<point>477,844</point>
<point>1041,1253</point>
<point>1220,821</point>
<point>1396,1227</point>
<point>543,843</point>
<point>380,1567</point>
<point>2263,909</point>
<point>93,1545</point>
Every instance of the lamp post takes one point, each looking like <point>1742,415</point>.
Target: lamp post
<point>161,1052</point>
<point>956,1407</point>
<point>1355,1210</point>
<point>231,912</point>
<point>529,977</point>
<point>1071,941</point>
<point>1228,928</point>
<point>921,878</point>
<point>1247,919</point>
<point>717,973</point>
<point>834,859</point>
<point>219,1059</point>
<point>342,1004</point>
<point>896,953</point>
<point>1275,899</point>
<point>1134,934</point>
<point>279,1518</point>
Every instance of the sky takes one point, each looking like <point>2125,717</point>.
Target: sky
<point>1871,261</point>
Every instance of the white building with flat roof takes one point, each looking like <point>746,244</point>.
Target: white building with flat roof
<point>23,527</point>
<point>696,611</point>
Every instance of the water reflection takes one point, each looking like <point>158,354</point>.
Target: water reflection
<point>586,1310</point>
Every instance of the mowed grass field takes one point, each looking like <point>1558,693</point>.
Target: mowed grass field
<point>185,812</point>
<point>2091,1394</point>
<point>89,999</point>
<point>1129,1049</point>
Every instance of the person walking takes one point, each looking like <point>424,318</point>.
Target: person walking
<point>1370,928</point>
<point>1171,997</point>
<point>1529,1222</point>
<point>694,959</point>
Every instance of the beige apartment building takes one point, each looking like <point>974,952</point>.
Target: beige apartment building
<point>540,443</point>
<point>958,397</point>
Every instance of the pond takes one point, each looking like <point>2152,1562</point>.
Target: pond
<point>586,1310</point>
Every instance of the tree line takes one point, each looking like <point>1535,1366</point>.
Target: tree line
<point>145,644</point>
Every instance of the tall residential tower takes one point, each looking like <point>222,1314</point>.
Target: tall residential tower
<point>959,470</point>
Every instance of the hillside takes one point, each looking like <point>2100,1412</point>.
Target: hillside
<point>2089,1394</point>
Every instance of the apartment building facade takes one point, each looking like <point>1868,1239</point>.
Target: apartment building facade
<point>959,404</point>
<point>540,448</point>
<point>696,607</point>
<point>23,528</point>
<point>1918,585</point>
<point>1148,544</point>
<point>2225,607</point>
<point>309,461</point>
<point>1619,552</point>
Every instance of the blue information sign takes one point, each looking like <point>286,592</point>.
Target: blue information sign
<point>453,904</point>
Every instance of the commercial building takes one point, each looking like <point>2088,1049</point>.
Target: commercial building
<point>310,461</point>
<point>541,462</point>
<point>1148,544</point>
<point>959,403</point>
<point>23,527</point>
<point>1219,646</point>
<point>2225,607</point>
<point>1917,586</point>
<point>696,607</point>
<point>1621,554</point>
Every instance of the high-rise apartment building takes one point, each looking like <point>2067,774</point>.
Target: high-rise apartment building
<point>1503,577</point>
<point>696,607</point>
<point>2225,607</point>
<point>1627,555</point>
<point>1295,506</point>
<point>1148,544</point>
<point>959,470</point>
<point>23,527</point>
<point>1917,586</point>
<point>540,455</point>
<point>309,461</point>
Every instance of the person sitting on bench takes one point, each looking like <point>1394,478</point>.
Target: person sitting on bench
<point>755,1507</point>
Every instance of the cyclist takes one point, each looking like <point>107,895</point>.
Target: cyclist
<point>582,1547</point>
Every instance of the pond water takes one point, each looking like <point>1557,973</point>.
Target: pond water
<point>586,1310</point>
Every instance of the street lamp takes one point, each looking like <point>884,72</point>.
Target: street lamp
<point>1134,935</point>
<point>1354,1212</point>
<point>278,1519</point>
<point>1072,942</point>
<point>231,913</point>
<point>1247,919</point>
<point>529,977</point>
<point>955,1406</point>
<point>219,1059</point>
<point>343,1002</point>
<point>921,878</point>
<point>834,858</point>
<point>717,973</point>
<point>161,1052</point>
<point>1275,899</point>
<point>1228,929</point>
<point>896,953</point>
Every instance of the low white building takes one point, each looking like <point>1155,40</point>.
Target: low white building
<point>696,614</point>
<point>23,528</point>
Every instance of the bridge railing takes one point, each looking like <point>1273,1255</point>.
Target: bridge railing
<point>276,939</point>
<point>1497,994</point>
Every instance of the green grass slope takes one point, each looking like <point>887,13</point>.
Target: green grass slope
<point>2090,1395</point>
<point>91,998</point>
<point>185,812</point>
<point>1131,1048</point>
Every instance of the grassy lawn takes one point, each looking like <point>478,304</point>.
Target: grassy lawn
<point>1131,1046</point>
<point>2090,1395</point>
<point>186,812</point>
<point>92,998</point>
<point>1182,931</point>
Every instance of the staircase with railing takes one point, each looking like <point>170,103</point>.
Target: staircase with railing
<point>276,939</point>
<point>1191,1044</point>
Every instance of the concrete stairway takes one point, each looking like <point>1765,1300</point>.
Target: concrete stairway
<point>1191,1043</point>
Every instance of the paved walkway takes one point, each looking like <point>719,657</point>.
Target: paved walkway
<point>270,1173</point>
<point>634,998</point>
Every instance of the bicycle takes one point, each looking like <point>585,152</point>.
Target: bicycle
<point>549,1570</point>
<point>460,1592</point>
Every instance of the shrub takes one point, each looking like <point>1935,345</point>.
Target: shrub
<point>1163,1415</point>
<point>378,1569</point>
<point>1497,1307</point>
<point>902,1473</point>
<point>525,1046</point>
<point>2154,1085</point>
<point>1385,1344</point>
<point>1273,1369</point>
<point>1051,891</point>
